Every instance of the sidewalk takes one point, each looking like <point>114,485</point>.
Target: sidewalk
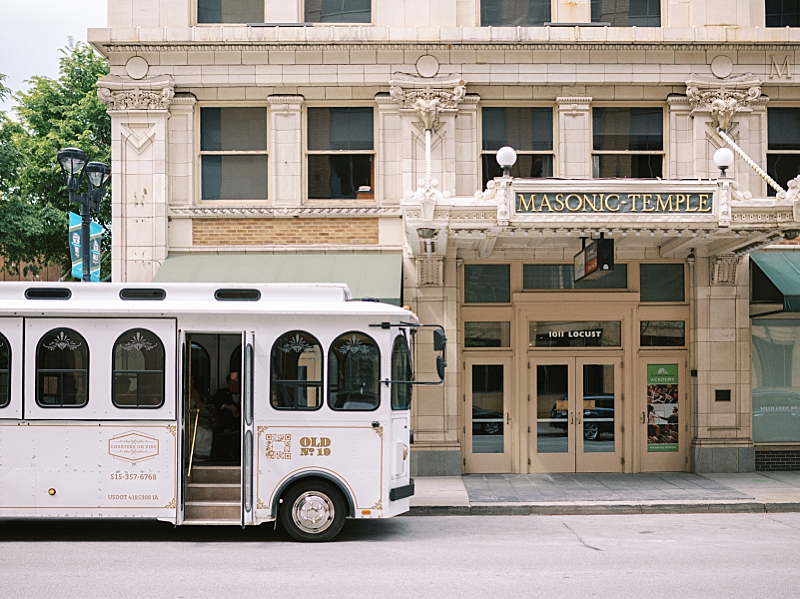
<point>606,493</point>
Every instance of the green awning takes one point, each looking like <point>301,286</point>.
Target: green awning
<point>783,269</point>
<point>378,275</point>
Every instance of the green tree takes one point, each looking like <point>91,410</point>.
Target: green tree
<point>53,114</point>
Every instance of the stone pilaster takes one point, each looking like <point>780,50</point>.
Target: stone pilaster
<point>285,146</point>
<point>574,138</point>
<point>681,130</point>
<point>139,111</point>
<point>390,149</point>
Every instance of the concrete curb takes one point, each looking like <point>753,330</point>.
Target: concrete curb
<point>594,509</point>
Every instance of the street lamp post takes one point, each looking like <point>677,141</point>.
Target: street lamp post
<point>74,167</point>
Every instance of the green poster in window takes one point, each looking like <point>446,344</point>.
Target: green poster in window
<point>662,407</point>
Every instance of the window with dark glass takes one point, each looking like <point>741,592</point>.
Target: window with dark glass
<point>782,13</point>
<point>515,13</point>
<point>230,11</point>
<point>401,371</point>
<point>62,369</point>
<point>138,377</point>
<point>662,333</point>
<point>487,283</point>
<point>487,334</point>
<point>233,153</point>
<point>661,283</point>
<point>627,13</point>
<point>5,372</point>
<point>562,276</point>
<point>783,145</point>
<point>338,11</point>
<point>628,143</point>
<point>354,368</point>
<point>528,130</point>
<point>296,372</point>
<point>340,153</point>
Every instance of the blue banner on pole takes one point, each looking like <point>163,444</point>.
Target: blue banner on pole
<point>75,247</point>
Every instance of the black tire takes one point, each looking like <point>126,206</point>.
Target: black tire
<point>590,431</point>
<point>491,428</point>
<point>313,511</point>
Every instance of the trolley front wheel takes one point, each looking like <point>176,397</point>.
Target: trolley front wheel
<point>313,511</point>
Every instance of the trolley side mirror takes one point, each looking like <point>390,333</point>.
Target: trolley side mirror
<point>440,366</point>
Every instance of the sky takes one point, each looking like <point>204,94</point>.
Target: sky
<point>33,31</point>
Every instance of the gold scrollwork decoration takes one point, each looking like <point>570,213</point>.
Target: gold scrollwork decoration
<point>378,506</point>
<point>171,505</point>
<point>262,429</point>
<point>379,430</point>
<point>260,505</point>
<point>173,429</point>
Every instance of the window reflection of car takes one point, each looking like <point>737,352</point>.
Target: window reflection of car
<point>596,421</point>
<point>776,415</point>
<point>486,422</point>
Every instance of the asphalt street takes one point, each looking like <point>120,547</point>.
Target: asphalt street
<point>699,556</point>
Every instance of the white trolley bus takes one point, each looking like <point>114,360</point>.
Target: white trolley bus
<point>205,404</point>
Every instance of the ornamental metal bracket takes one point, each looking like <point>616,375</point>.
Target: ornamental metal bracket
<point>722,98</point>
<point>124,93</point>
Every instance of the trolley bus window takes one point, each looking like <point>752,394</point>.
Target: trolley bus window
<point>5,371</point>
<point>62,369</point>
<point>138,377</point>
<point>296,372</point>
<point>401,371</point>
<point>354,373</point>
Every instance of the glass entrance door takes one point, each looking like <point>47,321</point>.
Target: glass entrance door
<point>575,415</point>
<point>488,430</point>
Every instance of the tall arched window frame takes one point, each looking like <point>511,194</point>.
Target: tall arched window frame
<point>5,371</point>
<point>62,369</point>
<point>354,370</point>
<point>401,371</point>
<point>297,364</point>
<point>138,373</point>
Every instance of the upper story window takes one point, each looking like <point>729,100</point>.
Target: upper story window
<point>487,283</point>
<point>354,369</point>
<point>661,283</point>
<point>138,377</point>
<point>528,130</point>
<point>782,13</point>
<point>233,153</point>
<point>628,142</point>
<point>401,371</point>
<point>62,369</point>
<point>338,11</point>
<point>515,13</point>
<point>5,372</point>
<point>627,13</point>
<point>230,11</point>
<point>783,145</point>
<point>296,372</point>
<point>341,156</point>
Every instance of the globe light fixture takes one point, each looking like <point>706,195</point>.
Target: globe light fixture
<point>723,159</point>
<point>506,158</point>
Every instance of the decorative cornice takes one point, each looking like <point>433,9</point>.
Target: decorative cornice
<point>723,98</point>
<point>280,212</point>
<point>124,93</point>
<point>296,100</point>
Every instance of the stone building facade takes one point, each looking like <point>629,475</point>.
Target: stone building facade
<point>245,129</point>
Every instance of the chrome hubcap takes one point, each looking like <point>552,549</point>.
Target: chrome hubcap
<point>313,511</point>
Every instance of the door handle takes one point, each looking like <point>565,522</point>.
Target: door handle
<point>508,417</point>
<point>644,418</point>
<point>571,417</point>
<point>577,417</point>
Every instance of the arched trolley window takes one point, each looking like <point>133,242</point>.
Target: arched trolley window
<point>5,372</point>
<point>138,376</point>
<point>354,364</point>
<point>62,369</point>
<point>401,371</point>
<point>296,372</point>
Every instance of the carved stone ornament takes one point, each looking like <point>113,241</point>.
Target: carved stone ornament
<point>428,96</point>
<point>723,270</point>
<point>723,98</point>
<point>124,93</point>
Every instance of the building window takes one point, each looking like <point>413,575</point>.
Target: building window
<point>62,370</point>
<point>628,143</point>
<point>354,371</point>
<point>230,11</point>
<point>340,153</point>
<point>338,11</point>
<point>401,371</point>
<point>783,145</point>
<point>562,276</point>
<point>515,13</point>
<point>627,13</point>
<point>662,333</point>
<point>661,283</point>
<point>487,283</point>
<point>296,372</point>
<point>487,334</point>
<point>782,13</point>
<point>233,153</point>
<point>528,130</point>
<point>5,372</point>
<point>138,377</point>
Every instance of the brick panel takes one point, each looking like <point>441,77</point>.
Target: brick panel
<point>295,231</point>
<point>777,460</point>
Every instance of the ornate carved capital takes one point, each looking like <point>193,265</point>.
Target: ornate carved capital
<point>723,270</point>
<point>722,98</point>
<point>124,93</point>
<point>430,271</point>
<point>428,96</point>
